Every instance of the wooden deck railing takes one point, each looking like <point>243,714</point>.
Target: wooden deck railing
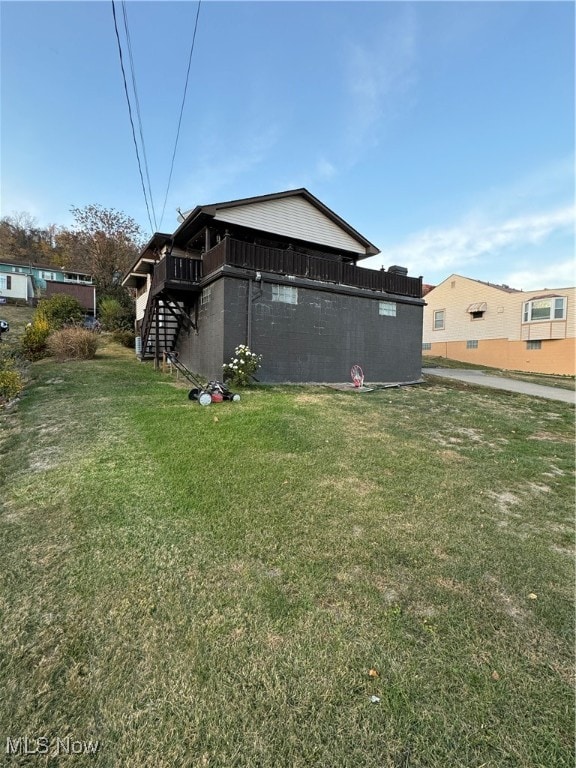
<point>292,262</point>
<point>172,270</point>
<point>176,269</point>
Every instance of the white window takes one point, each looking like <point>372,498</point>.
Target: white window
<point>47,275</point>
<point>439,320</point>
<point>472,344</point>
<point>550,308</point>
<point>285,293</point>
<point>426,345</point>
<point>533,345</point>
<point>206,296</point>
<point>387,308</point>
<point>3,282</point>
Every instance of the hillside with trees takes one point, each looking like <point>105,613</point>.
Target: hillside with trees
<point>102,242</point>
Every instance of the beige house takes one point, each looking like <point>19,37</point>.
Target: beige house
<point>500,327</point>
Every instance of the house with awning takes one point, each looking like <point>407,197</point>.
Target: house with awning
<point>501,327</point>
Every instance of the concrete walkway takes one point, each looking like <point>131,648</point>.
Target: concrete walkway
<point>481,379</point>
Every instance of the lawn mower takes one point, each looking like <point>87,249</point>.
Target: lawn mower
<point>211,392</point>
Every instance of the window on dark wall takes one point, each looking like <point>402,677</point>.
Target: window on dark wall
<point>206,295</point>
<point>287,294</point>
<point>387,308</point>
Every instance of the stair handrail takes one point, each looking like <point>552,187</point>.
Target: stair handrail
<point>146,325</point>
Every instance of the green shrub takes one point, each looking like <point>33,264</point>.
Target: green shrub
<point>11,384</point>
<point>60,310</point>
<point>126,338</point>
<point>113,315</point>
<point>11,381</point>
<point>73,344</point>
<point>34,340</point>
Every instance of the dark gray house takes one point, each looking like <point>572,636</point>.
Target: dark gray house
<point>279,273</point>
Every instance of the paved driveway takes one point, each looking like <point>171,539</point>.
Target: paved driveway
<point>481,379</point>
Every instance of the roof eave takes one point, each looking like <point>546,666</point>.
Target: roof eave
<point>210,211</point>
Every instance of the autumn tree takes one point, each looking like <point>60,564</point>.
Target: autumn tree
<point>103,243</point>
<point>23,240</point>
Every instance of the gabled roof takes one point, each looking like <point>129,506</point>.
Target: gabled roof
<point>143,264</point>
<point>546,293</point>
<point>496,286</point>
<point>262,217</point>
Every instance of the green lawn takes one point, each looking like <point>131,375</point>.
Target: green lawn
<point>211,586</point>
<point>17,317</point>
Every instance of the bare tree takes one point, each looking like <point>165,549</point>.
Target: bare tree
<point>103,243</point>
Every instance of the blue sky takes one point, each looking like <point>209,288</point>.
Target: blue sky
<point>442,131</point>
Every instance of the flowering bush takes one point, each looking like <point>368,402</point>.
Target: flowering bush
<point>242,367</point>
<point>11,384</point>
<point>11,381</point>
<point>34,340</point>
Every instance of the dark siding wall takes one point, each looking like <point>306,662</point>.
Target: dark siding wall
<point>83,293</point>
<point>202,351</point>
<point>322,336</point>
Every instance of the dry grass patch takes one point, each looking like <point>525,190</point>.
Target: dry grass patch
<point>550,437</point>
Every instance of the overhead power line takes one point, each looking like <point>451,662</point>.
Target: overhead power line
<point>181,111</point>
<point>130,114</point>
<point>139,116</point>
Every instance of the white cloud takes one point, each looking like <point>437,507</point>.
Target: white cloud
<point>380,74</point>
<point>325,169</point>
<point>556,275</point>
<point>219,168</point>
<point>537,189</point>
<point>452,249</point>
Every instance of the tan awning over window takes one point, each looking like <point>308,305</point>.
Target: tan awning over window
<point>480,306</point>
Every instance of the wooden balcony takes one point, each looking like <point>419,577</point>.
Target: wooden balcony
<point>176,273</point>
<point>291,262</point>
<point>180,273</point>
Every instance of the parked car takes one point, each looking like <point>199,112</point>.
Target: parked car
<point>92,323</point>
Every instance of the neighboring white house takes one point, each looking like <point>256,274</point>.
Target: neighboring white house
<point>16,286</point>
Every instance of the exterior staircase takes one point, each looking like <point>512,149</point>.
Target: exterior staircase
<point>173,294</point>
<point>163,320</point>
